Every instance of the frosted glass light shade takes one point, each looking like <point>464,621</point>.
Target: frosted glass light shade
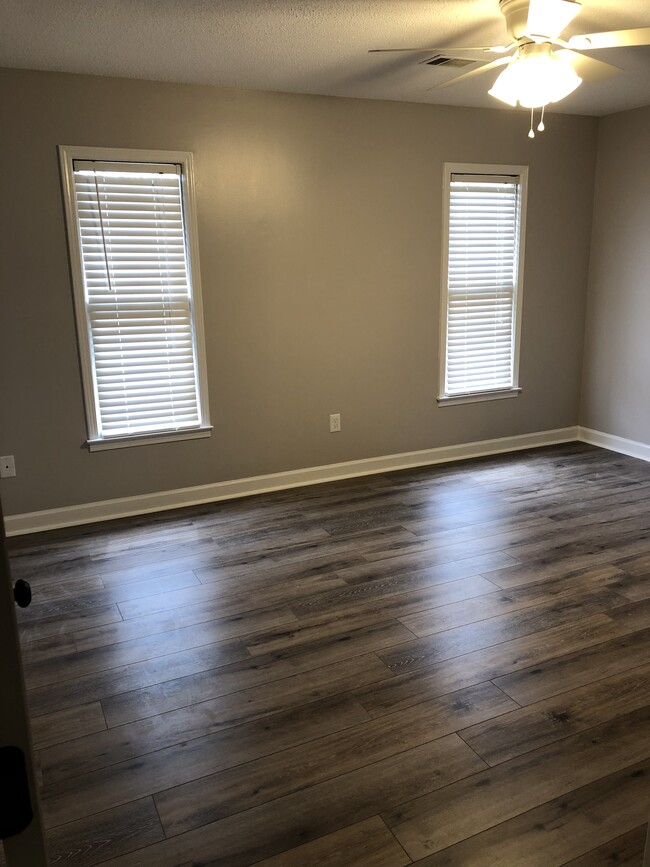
<point>506,87</point>
<point>535,77</point>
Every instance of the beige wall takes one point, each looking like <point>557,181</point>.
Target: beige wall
<point>319,232</point>
<point>616,385</point>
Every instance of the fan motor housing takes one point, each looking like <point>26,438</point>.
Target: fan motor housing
<point>516,14</point>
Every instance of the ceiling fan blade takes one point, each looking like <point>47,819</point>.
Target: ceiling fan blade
<point>485,67</point>
<point>549,17</point>
<point>611,39</point>
<point>588,68</point>
<point>496,49</point>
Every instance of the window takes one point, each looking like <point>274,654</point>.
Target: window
<point>484,226</point>
<point>134,259</point>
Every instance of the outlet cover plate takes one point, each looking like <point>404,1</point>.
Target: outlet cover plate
<point>7,467</point>
<point>335,422</point>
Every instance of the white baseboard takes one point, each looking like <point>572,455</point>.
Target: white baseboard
<point>615,444</point>
<point>88,513</point>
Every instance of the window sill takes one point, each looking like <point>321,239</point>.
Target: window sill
<point>479,397</point>
<point>99,445</point>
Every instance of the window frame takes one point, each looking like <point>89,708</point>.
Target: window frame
<point>67,155</point>
<point>514,390</point>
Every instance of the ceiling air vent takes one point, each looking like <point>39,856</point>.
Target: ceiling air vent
<point>441,60</point>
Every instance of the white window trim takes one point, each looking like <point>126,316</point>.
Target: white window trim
<point>67,154</point>
<point>481,169</point>
<point>479,396</point>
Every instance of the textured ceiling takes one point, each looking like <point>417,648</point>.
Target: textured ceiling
<point>315,46</point>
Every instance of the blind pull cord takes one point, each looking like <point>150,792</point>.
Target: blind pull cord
<point>101,227</point>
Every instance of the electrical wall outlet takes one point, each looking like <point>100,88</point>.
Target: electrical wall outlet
<point>7,467</point>
<point>335,422</point>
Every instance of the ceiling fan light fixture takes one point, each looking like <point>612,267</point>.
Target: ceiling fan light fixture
<point>535,77</point>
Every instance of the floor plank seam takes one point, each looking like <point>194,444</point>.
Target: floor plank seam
<point>506,694</point>
<point>532,809</point>
<point>558,695</point>
<point>476,753</point>
<point>390,831</point>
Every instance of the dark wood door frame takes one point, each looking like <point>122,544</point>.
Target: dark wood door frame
<point>27,847</point>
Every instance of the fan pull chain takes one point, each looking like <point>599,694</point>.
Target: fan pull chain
<point>540,125</point>
<point>531,131</point>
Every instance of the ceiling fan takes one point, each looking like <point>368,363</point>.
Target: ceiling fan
<point>540,66</point>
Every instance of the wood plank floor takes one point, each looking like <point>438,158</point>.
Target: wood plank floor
<point>444,666</point>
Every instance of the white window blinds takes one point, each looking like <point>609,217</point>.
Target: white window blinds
<point>482,279</point>
<point>138,296</point>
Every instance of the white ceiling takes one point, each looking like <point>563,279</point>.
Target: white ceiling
<point>314,46</point>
